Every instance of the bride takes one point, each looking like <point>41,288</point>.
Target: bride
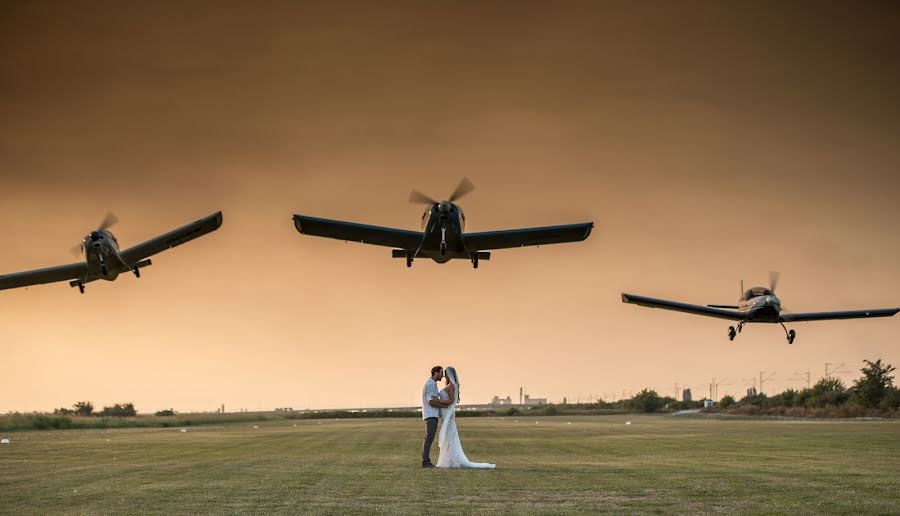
<point>451,454</point>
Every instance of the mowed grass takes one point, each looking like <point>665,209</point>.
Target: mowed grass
<point>549,465</point>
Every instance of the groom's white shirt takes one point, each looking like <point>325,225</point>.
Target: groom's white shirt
<point>428,392</point>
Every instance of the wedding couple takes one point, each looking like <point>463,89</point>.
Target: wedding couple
<point>442,404</point>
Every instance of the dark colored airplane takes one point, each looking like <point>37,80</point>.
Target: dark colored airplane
<point>103,260</point>
<point>757,305</point>
<point>442,237</point>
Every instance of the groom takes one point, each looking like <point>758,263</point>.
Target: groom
<point>431,410</point>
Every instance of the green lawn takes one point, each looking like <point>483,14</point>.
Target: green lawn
<point>552,465</point>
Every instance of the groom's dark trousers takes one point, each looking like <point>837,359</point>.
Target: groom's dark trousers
<point>430,429</point>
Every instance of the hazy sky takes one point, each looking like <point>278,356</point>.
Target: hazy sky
<point>708,142</point>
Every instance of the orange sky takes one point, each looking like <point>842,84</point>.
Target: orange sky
<point>707,142</point>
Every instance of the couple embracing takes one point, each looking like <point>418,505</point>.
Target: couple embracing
<point>442,404</point>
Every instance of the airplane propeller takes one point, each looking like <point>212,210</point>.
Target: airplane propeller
<point>108,221</point>
<point>420,198</point>
<point>773,279</point>
<point>462,189</point>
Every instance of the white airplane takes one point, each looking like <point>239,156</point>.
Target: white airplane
<point>103,259</point>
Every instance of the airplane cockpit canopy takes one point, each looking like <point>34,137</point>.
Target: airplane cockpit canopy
<point>756,292</point>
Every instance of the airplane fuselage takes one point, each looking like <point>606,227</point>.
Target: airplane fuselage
<point>101,253</point>
<point>760,305</point>
<point>443,225</point>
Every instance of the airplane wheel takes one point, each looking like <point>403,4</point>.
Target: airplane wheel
<point>731,333</point>
<point>791,336</point>
<point>81,288</point>
<point>104,270</point>
<point>443,248</point>
<point>409,261</point>
<point>475,263</point>
<point>137,273</point>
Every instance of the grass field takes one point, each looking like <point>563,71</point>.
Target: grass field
<point>559,465</point>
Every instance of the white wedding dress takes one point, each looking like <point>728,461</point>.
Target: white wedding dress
<point>451,451</point>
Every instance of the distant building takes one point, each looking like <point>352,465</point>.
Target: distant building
<point>529,401</point>
<point>284,409</point>
<point>501,401</point>
<point>686,395</point>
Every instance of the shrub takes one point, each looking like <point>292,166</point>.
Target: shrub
<point>83,408</point>
<point>891,399</point>
<point>126,410</point>
<point>165,413</point>
<point>727,402</point>
<point>828,392</point>
<point>646,401</point>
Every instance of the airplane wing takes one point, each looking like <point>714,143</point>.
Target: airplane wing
<point>352,232</point>
<point>508,238</point>
<point>851,314</point>
<point>40,276</point>
<point>682,307</point>
<point>172,239</point>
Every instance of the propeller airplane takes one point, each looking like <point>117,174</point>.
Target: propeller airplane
<point>103,259</point>
<point>442,237</point>
<point>756,305</point>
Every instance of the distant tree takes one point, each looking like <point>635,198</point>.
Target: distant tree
<point>62,411</point>
<point>646,401</point>
<point>83,408</point>
<point>512,411</point>
<point>166,412</point>
<point>117,410</point>
<point>551,410</point>
<point>727,402</point>
<point>870,390</point>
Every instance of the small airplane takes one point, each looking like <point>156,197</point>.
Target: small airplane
<point>103,259</point>
<point>757,305</point>
<point>442,237</point>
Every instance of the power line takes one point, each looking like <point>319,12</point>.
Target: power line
<point>836,370</point>
<point>763,380</point>
<point>803,377</point>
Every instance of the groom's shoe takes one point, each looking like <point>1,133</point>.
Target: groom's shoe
<point>427,465</point>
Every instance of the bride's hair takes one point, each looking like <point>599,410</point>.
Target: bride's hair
<point>450,371</point>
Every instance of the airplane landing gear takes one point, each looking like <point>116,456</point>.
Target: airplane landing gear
<point>137,272</point>
<point>409,260</point>
<point>731,333</point>
<point>475,261</point>
<point>443,240</point>
<point>81,287</point>
<point>791,335</point>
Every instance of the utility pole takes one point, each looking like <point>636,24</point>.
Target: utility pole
<point>717,384</point>
<point>804,377</point>
<point>763,380</point>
